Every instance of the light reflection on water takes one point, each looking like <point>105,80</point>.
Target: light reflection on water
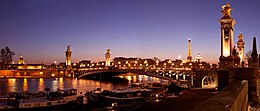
<point>25,84</point>
<point>35,85</point>
<point>41,84</point>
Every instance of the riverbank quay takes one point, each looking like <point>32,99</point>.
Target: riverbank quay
<point>31,73</point>
<point>30,77</point>
<point>22,77</point>
<point>186,101</point>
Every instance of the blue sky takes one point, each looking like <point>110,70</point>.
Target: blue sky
<point>40,30</point>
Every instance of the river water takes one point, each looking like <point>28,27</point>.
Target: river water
<point>8,85</point>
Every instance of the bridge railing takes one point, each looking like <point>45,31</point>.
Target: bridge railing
<point>169,75</point>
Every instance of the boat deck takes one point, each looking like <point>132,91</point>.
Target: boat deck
<point>33,100</point>
<point>129,90</point>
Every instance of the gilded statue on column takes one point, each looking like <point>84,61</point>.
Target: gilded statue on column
<point>226,11</point>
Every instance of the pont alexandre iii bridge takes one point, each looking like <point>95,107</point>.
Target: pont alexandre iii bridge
<point>236,85</point>
<point>197,78</point>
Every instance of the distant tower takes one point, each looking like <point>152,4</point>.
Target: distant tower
<point>240,47</point>
<point>68,56</point>
<point>189,58</point>
<point>21,60</point>
<point>107,56</point>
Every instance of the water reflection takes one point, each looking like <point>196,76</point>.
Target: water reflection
<point>135,78</point>
<point>11,85</point>
<point>41,84</point>
<point>61,83</point>
<point>54,84</point>
<point>35,85</point>
<point>25,84</point>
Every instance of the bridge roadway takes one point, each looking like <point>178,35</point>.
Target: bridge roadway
<point>123,71</point>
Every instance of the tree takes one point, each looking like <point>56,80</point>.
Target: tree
<point>248,55</point>
<point>6,56</point>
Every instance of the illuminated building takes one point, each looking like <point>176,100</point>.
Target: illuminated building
<point>22,66</point>
<point>122,62</point>
<point>85,63</point>
<point>198,58</point>
<point>21,60</point>
<point>167,64</point>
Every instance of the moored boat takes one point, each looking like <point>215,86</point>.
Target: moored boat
<point>125,95</point>
<point>120,99</point>
<point>26,101</point>
<point>93,95</point>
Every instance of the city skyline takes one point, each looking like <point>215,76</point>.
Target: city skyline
<point>41,30</point>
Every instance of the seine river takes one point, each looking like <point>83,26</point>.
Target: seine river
<point>8,85</point>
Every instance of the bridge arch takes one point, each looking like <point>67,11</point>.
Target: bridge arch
<point>208,82</point>
<point>201,78</point>
<point>122,71</point>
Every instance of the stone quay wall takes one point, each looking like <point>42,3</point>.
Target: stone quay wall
<point>253,77</point>
<point>30,73</point>
<point>232,98</point>
<point>5,73</point>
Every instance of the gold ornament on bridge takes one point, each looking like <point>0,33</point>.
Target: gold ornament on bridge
<point>108,51</point>
<point>226,11</point>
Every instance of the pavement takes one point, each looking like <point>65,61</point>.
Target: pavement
<point>186,101</point>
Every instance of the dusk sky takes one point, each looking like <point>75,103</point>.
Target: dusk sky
<point>40,30</point>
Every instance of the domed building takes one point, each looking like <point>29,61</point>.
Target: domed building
<point>21,60</point>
